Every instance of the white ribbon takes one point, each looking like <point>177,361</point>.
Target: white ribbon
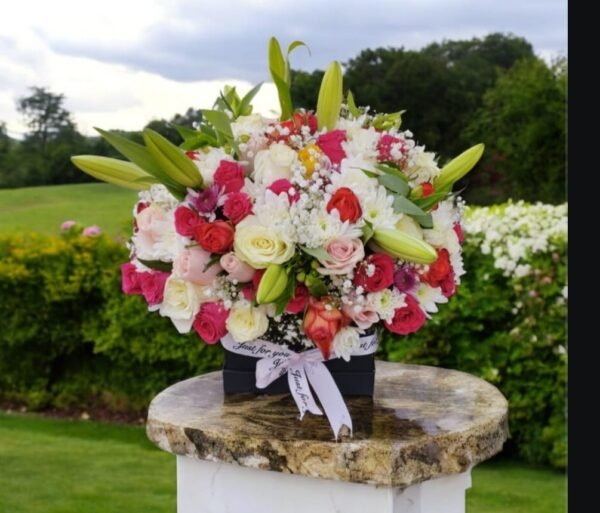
<point>302,369</point>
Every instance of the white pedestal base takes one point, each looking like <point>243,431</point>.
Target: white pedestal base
<point>209,487</point>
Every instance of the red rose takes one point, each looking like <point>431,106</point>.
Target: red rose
<point>439,270</point>
<point>448,286</point>
<point>237,206</point>
<point>230,176</point>
<point>375,273</point>
<point>331,144</point>
<point>186,220</point>
<point>346,203</point>
<point>298,303</point>
<point>210,322</point>
<point>407,319</point>
<point>284,185</point>
<point>459,232</point>
<point>130,279</point>
<point>153,286</point>
<point>216,237</point>
<point>321,323</point>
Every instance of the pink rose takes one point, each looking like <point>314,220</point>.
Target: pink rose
<point>236,269</point>
<point>210,322</point>
<point>331,144</point>
<point>153,286</point>
<point>284,185</point>
<point>229,176</point>
<point>92,231</point>
<point>191,263</point>
<point>298,303</point>
<point>130,279</point>
<point>344,254</point>
<point>237,206</point>
<point>363,316</point>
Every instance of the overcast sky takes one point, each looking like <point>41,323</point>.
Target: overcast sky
<point>122,62</point>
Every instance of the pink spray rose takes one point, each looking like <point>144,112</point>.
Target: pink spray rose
<point>364,316</point>
<point>186,220</point>
<point>130,279</point>
<point>236,269</point>
<point>229,176</point>
<point>191,263</point>
<point>284,185</point>
<point>210,322</point>
<point>331,144</point>
<point>237,206</point>
<point>153,286</point>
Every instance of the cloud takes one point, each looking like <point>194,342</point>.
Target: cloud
<point>122,62</point>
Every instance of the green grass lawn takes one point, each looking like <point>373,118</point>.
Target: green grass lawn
<point>43,209</point>
<point>61,466</point>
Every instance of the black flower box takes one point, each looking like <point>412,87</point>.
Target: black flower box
<point>356,377</point>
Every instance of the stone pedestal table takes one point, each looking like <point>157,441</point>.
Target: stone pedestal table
<point>412,449</point>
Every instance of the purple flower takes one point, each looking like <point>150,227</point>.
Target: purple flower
<point>67,225</point>
<point>92,231</point>
<point>405,279</point>
<point>206,201</point>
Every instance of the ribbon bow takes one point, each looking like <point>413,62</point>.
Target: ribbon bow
<point>302,369</point>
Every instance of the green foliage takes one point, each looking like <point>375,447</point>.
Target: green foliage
<point>522,121</point>
<point>71,337</point>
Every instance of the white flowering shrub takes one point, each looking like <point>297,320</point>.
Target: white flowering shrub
<point>509,323</point>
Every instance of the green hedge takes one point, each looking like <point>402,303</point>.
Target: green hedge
<point>70,338</point>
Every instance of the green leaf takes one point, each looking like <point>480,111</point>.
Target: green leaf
<point>285,297</point>
<point>316,286</point>
<point>136,153</point>
<point>285,97</point>
<point>390,168</point>
<point>245,105</point>
<point>214,258</point>
<point>367,232</point>
<point>394,184</point>
<point>425,221</point>
<point>276,60</point>
<point>157,265</point>
<point>318,253</point>
<point>199,141</point>
<point>172,160</point>
<point>405,206</point>
<point>219,120</point>
<point>185,132</point>
<point>296,44</point>
<point>115,171</point>
<point>370,174</point>
<point>431,200</point>
<point>352,105</point>
<point>330,96</point>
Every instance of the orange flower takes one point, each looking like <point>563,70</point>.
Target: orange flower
<point>321,323</point>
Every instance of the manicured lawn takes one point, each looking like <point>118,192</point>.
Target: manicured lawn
<point>61,466</point>
<point>43,209</point>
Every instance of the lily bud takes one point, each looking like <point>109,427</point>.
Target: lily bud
<point>272,284</point>
<point>115,171</point>
<point>458,167</point>
<point>402,245</point>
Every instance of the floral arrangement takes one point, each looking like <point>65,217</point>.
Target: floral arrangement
<point>310,230</point>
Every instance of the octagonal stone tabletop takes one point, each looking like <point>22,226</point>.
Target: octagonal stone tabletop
<point>423,422</point>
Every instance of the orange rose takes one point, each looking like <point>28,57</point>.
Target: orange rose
<point>321,323</point>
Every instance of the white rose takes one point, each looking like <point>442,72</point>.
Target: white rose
<point>260,245</point>
<point>274,163</point>
<point>181,302</point>
<point>246,322</point>
<point>346,342</point>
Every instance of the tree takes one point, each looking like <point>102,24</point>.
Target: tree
<point>45,116</point>
<point>522,122</point>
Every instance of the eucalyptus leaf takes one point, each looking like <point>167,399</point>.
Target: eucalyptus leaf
<point>425,221</point>
<point>318,253</point>
<point>390,169</point>
<point>394,184</point>
<point>404,206</point>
